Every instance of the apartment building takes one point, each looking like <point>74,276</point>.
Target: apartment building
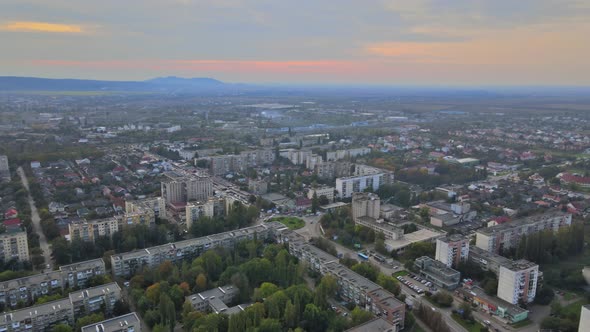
<point>518,281</point>
<point>89,231</point>
<point>365,205</point>
<point>144,211</point>
<point>177,188</point>
<point>126,323</point>
<point>14,245</point>
<point>29,288</point>
<point>196,210</point>
<point>504,236</point>
<point>95,299</point>
<point>386,178</point>
<point>126,264</point>
<point>4,169</point>
<point>452,250</point>
<point>41,317</point>
<point>326,191</point>
<point>333,169</point>
<point>297,157</point>
<point>437,272</point>
<point>216,299</point>
<point>350,153</point>
<point>312,161</point>
<point>220,165</point>
<point>353,184</point>
<point>351,286</point>
<point>584,318</point>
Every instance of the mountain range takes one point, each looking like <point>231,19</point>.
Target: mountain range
<point>164,84</point>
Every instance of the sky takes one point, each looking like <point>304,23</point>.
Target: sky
<point>410,42</point>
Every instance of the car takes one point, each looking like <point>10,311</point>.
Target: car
<point>48,266</point>
<point>487,322</point>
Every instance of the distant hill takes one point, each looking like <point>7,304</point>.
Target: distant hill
<point>14,83</point>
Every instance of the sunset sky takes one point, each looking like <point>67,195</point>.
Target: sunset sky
<point>414,42</point>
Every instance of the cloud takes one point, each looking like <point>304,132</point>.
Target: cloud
<point>30,26</point>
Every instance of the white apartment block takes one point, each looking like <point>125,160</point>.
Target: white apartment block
<point>126,323</point>
<point>585,318</point>
<point>14,245</point>
<point>328,192</point>
<point>518,281</point>
<point>89,231</point>
<point>4,169</point>
<point>348,185</point>
<point>297,157</point>
<point>452,250</point>
<point>507,235</point>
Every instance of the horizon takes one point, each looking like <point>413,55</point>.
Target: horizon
<point>380,42</point>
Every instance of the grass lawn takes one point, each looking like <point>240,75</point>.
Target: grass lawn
<point>475,327</point>
<point>400,273</point>
<point>521,323</point>
<point>291,222</point>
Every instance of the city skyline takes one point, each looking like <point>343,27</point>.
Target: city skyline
<point>374,42</point>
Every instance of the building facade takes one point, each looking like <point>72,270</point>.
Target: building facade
<point>14,245</point>
<point>4,169</point>
<point>328,192</point>
<point>126,264</point>
<point>353,184</point>
<point>440,274</point>
<point>452,250</point>
<point>27,289</point>
<point>508,235</point>
<point>42,317</point>
<point>89,231</point>
<point>177,188</point>
<point>365,205</point>
<point>518,281</point>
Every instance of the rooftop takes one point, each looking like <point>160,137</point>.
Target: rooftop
<point>420,235</point>
<point>522,222</point>
<point>113,324</point>
<point>374,325</point>
<point>478,292</point>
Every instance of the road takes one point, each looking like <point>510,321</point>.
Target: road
<point>312,229</point>
<point>36,220</point>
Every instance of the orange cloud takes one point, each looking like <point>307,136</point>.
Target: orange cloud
<point>28,26</point>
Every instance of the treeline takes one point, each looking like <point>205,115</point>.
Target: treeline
<point>130,238</point>
<point>266,275</point>
<point>339,224</point>
<point>432,319</point>
<point>549,247</point>
<point>166,153</point>
<point>446,173</point>
<point>238,216</point>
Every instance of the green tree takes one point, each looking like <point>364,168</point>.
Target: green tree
<point>359,316</point>
<point>61,328</point>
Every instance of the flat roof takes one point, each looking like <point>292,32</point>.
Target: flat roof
<point>31,312</point>
<point>115,323</point>
<point>95,291</point>
<point>417,236</point>
<point>375,325</point>
<point>512,309</point>
<point>522,222</point>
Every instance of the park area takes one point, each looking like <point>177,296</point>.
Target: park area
<point>291,222</point>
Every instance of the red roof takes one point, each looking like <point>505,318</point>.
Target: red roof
<point>11,222</point>
<point>567,177</point>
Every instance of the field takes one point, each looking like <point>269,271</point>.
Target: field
<point>291,222</point>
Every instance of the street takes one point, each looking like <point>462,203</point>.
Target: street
<point>36,220</point>
<point>312,229</point>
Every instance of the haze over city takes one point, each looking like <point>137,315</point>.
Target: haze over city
<point>294,166</point>
<point>503,42</point>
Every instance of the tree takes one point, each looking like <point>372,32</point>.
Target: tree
<point>167,312</point>
<point>270,325</point>
<point>201,282</point>
<point>314,202</point>
<point>62,328</point>
<point>90,319</point>
<point>265,290</point>
<point>389,283</point>
<point>359,316</point>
